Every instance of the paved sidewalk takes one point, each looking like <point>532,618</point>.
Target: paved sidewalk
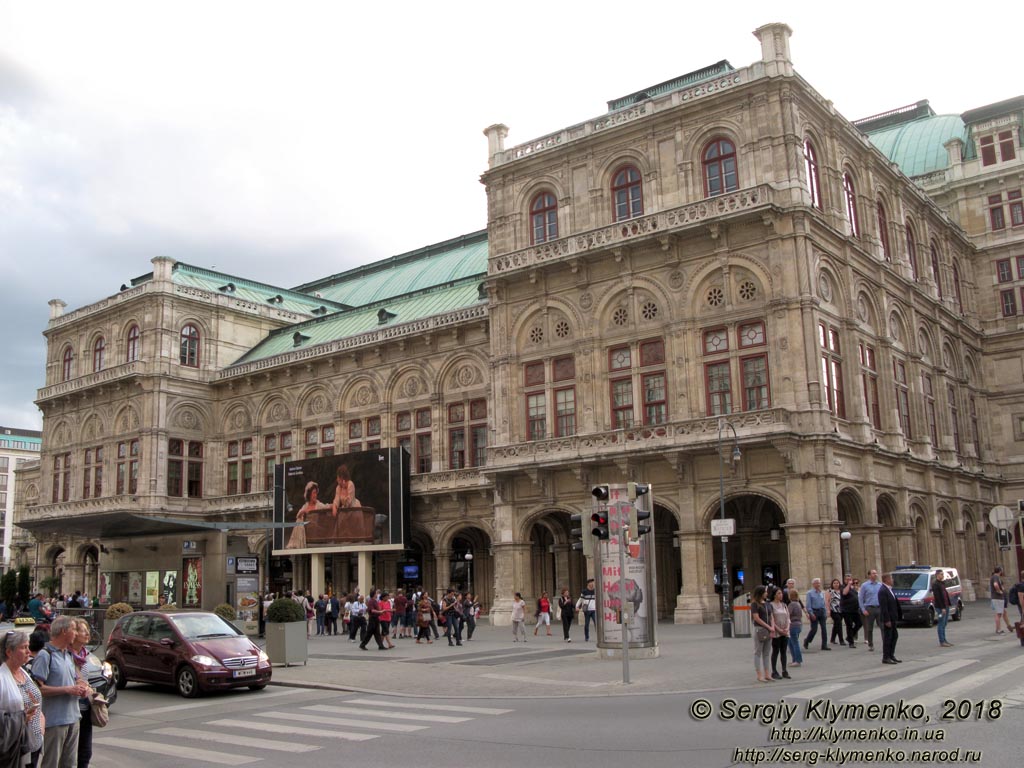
<point>692,658</point>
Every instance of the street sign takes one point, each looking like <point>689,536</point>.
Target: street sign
<point>1001,516</point>
<point>726,527</point>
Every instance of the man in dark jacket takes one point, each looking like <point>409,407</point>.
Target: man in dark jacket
<point>889,612</point>
<point>942,604</point>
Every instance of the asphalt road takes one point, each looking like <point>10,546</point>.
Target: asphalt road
<point>968,699</point>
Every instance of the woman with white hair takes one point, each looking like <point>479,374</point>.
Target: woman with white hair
<point>19,705</point>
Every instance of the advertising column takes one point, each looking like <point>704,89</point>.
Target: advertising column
<point>639,597</point>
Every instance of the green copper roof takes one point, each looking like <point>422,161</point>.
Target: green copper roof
<point>396,310</point>
<point>917,146</point>
<point>247,290</point>
<point>434,265</point>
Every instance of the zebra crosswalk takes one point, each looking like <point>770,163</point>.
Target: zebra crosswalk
<point>929,687</point>
<point>306,728</point>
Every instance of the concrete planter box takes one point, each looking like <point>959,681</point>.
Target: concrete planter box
<point>287,643</point>
<point>247,627</point>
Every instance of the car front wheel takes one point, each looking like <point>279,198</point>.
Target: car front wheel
<point>117,671</point>
<point>929,618</point>
<point>187,682</point>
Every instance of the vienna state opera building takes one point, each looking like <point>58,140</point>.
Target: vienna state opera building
<point>719,265</point>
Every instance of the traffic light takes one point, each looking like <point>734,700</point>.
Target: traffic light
<point>600,529</point>
<point>600,493</point>
<point>1004,538</point>
<point>635,490</point>
<point>576,532</point>
<point>636,514</point>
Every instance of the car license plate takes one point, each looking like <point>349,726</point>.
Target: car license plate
<point>245,673</point>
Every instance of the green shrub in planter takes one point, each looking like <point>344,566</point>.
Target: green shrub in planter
<point>117,610</point>
<point>284,610</point>
<point>226,611</point>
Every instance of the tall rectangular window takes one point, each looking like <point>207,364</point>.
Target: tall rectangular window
<point>92,473</point>
<point>185,468</point>
<point>954,416</point>
<point>719,389</point>
<point>424,444</point>
<point>754,371</point>
<point>1008,300</point>
<point>1006,147</point>
<point>869,382</point>
<point>277,449</point>
<point>975,433</point>
<point>902,396</point>
<point>127,467</point>
<point>832,369</point>
<point>457,448</point>
<point>61,477</point>
<point>536,416</point>
<point>239,466</point>
<point>622,403</point>
<point>565,412</point>
<point>653,387</point>
<point>995,212</point>
<point>1004,272</point>
<point>987,144</point>
<point>929,409</point>
<point>1016,208</point>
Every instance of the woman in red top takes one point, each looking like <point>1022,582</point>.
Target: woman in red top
<point>543,613</point>
<point>386,605</point>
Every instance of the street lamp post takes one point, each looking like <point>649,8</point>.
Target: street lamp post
<point>726,588</point>
<point>469,572</point>
<point>846,536</point>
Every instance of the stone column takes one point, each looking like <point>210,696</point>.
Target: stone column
<point>697,602</point>
<point>316,575</point>
<point>511,564</point>
<point>365,571</point>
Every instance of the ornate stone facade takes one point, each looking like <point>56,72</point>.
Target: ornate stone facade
<point>711,249</point>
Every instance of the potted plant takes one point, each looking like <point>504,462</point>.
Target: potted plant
<point>286,632</point>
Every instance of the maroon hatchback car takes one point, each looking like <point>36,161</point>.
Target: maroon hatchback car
<point>194,652</point>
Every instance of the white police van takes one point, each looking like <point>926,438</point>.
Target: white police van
<point>912,585</point>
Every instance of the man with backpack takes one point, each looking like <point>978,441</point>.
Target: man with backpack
<point>452,610</point>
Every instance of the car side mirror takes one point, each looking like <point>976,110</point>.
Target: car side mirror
<point>166,641</point>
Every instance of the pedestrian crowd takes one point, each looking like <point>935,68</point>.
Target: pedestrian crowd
<point>855,609</point>
<point>46,702</point>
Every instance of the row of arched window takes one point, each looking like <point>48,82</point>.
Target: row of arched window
<point>719,171</point>
<point>850,210</point>
<point>188,356</point>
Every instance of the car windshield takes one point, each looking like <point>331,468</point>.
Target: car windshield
<point>914,580</point>
<point>199,626</point>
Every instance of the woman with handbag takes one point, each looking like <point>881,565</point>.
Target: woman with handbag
<point>21,719</point>
<point>568,609</point>
<point>780,637</point>
<point>763,629</point>
<point>80,653</point>
<point>424,616</point>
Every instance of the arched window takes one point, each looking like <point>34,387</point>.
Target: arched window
<point>956,288</point>
<point>190,346</point>
<point>99,354</point>
<point>811,166</point>
<point>912,249</point>
<point>719,161</point>
<point>627,194</point>
<point>935,270</point>
<point>883,232</point>
<point>133,344</point>
<point>65,369</point>
<point>543,218</point>
<point>850,194</point>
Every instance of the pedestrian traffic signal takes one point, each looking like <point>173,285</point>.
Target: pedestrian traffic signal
<point>1003,537</point>
<point>600,520</point>
<point>600,493</point>
<point>576,532</point>
<point>637,528</point>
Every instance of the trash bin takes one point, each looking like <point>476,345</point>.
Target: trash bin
<point>741,624</point>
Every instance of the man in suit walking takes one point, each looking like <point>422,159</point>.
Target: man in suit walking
<point>889,612</point>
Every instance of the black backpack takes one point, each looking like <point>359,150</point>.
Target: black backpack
<point>1014,597</point>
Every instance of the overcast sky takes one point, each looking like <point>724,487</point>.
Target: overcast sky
<point>287,141</point>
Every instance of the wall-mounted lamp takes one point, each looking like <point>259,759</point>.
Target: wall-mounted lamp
<point>775,534</point>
